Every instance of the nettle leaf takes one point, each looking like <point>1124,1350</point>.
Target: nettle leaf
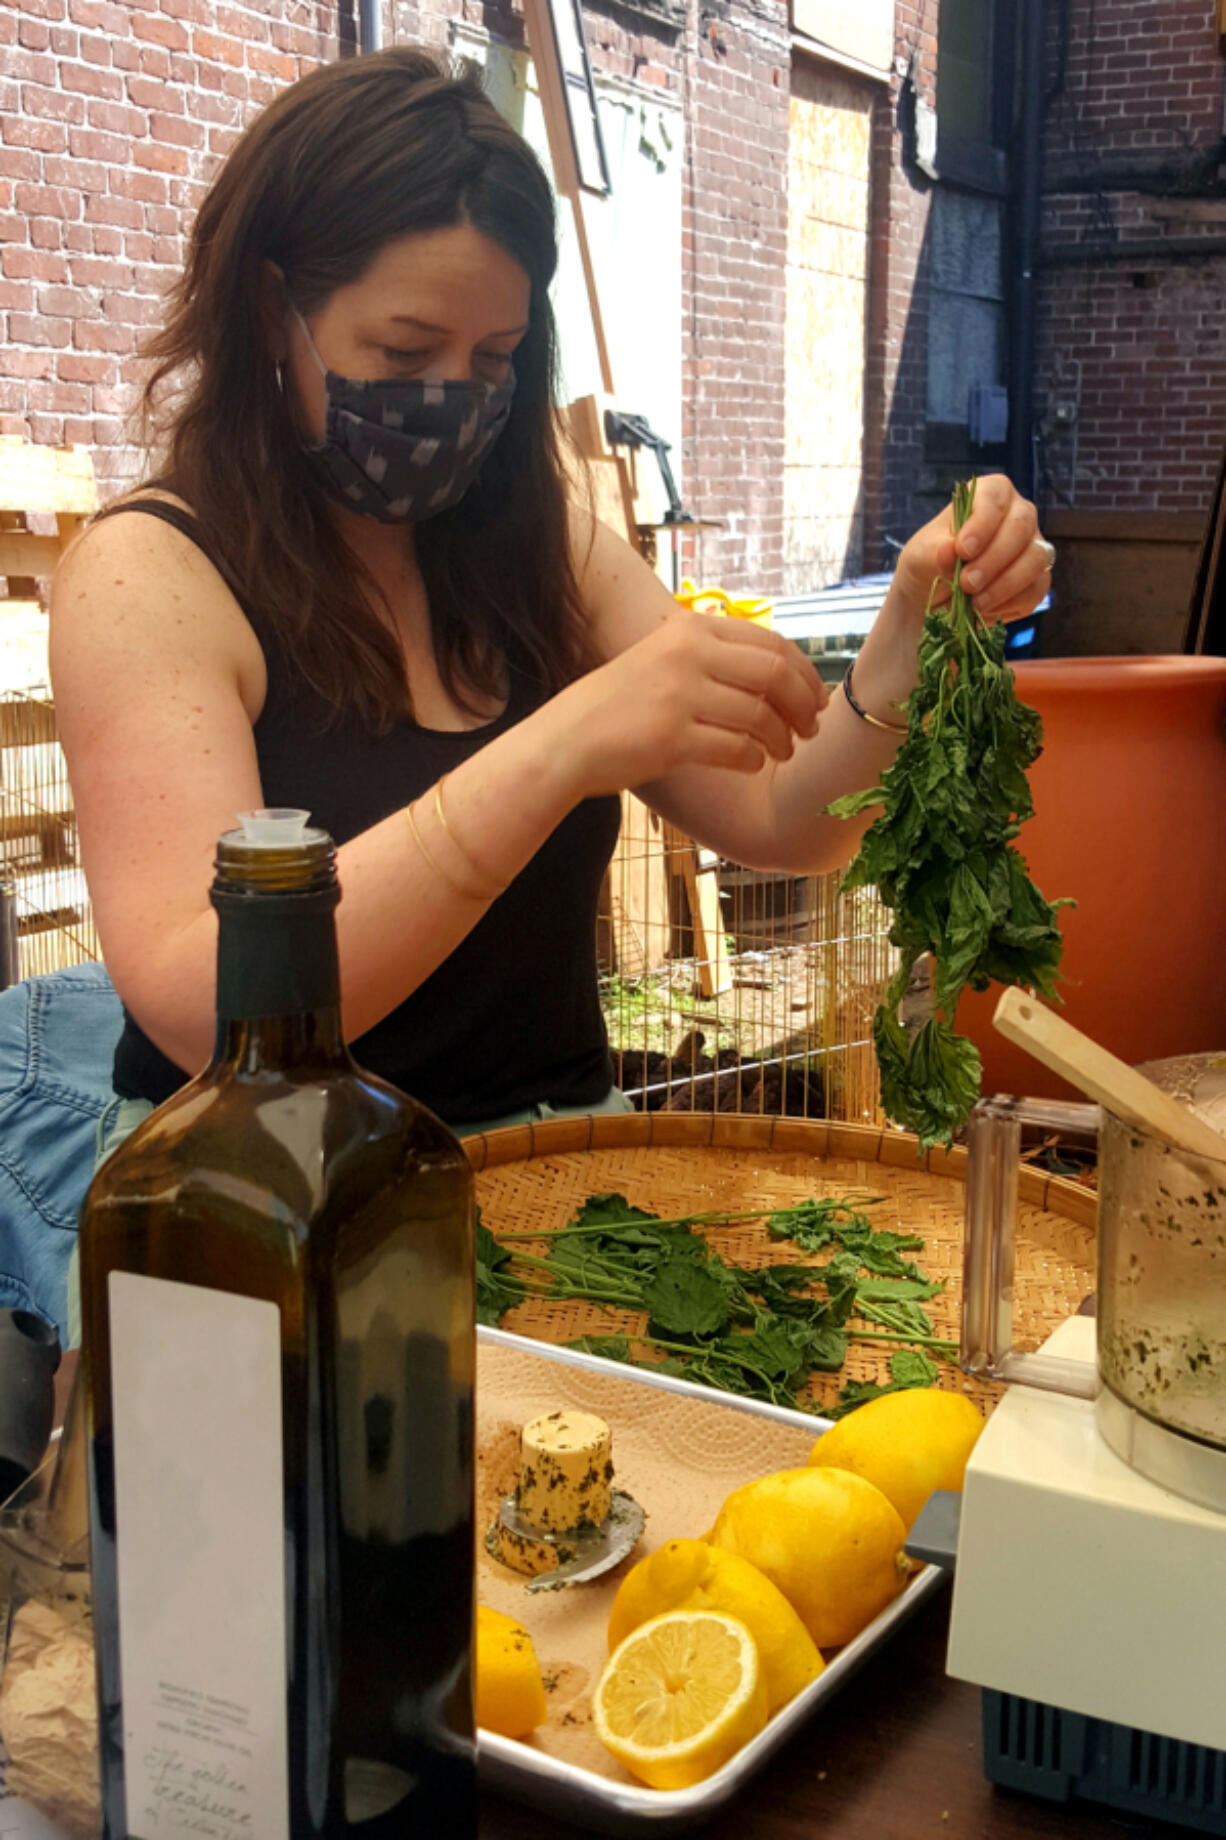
<point>905,1320</point>
<point>760,1332</point>
<point>899,1290</point>
<point>928,1085</point>
<point>612,1210</point>
<point>827,1348</point>
<point>843,1266</point>
<point>812,1224</point>
<point>779,1350</point>
<point>497,1289</point>
<point>785,1290</point>
<point>856,802</point>
<point>685,1298</point>
<point>912,1367</point>
<point>940,854</point>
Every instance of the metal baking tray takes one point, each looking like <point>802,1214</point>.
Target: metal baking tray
<point>604,1805</point>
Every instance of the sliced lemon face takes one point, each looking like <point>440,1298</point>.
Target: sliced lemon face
<point>679,1697</point>
<point>690,1575</point>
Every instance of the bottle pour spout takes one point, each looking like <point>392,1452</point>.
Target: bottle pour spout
<point>277,828</point>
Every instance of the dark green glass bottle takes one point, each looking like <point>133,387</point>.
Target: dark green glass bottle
<point>277,1286</point>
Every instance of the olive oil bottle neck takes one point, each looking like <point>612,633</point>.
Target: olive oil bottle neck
<point>270,1044</point>
<point>278,983</point>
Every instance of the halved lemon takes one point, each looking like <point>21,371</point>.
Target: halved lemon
<point>679,1697</point>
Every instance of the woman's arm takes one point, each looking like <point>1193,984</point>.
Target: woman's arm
<point>159,680</point>
<point>773,819</point>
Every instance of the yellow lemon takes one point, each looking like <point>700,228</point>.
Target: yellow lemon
<point>906,1443</point>
<point>510,1691</point>
<point>679,1697</point>
<point>689,1575</point>
<point>828,1539</point>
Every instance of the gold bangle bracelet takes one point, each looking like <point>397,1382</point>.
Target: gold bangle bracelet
<point>441,815</point>
<point>468,894</point>
<point>438,807</point>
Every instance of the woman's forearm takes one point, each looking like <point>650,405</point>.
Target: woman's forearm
<point>848,753</point>
<point>403,911</point>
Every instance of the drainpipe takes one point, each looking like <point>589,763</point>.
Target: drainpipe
<point>370,25</point>
<point>1028,196</point>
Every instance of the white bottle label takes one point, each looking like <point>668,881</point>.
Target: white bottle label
<point>200,1539</point>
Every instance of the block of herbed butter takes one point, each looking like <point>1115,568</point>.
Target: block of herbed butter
<point>565,1472</point>
<point>520,1551</point>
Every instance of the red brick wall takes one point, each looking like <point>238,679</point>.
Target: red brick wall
<point>114,115</point>
<point>735,288</point>
<point>111,118</point>
<point>1143,91</point>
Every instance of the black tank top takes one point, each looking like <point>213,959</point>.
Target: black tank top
<point>511,1018</point>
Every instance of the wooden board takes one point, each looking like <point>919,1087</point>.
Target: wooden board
<point>640,918</point>
<point>57,479</point>
<point>604,477</point>
<point>829,161</point>
<point>1123,582</point>
<point>700,880</point>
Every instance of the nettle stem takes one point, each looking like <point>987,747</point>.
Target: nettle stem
<point>911,1341</point>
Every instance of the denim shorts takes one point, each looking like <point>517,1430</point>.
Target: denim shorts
<point>57,1043</point>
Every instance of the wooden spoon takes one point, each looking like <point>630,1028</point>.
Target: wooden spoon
<point>1029,1024</point>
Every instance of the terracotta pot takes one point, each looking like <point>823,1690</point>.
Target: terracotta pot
<point>1130,819</point>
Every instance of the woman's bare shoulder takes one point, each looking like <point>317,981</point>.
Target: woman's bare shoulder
<point>133,585</point>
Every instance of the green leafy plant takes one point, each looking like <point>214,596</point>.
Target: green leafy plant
<point>943,859</point>
<point>757,1330</point>
<point>497,1290</point>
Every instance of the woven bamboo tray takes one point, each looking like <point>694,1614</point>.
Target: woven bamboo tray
<point>676,1163</point>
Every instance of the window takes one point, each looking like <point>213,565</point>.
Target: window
<point>976,78</point>
<point>966,306</point>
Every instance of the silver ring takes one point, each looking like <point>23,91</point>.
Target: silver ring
<point>1049,551</point>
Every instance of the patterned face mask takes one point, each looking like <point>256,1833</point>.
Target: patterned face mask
<point>401,450</point>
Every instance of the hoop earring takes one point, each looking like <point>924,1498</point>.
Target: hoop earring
<point>279,373</point>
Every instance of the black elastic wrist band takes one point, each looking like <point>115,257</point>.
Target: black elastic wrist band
<point>891,728</point>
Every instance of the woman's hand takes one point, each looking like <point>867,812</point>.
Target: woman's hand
<point>1006,566</point>
<point>699,690</point>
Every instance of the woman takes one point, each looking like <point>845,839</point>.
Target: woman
<point>359,586</point>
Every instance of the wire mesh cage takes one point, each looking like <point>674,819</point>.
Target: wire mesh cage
<point>723,989</point>
<point>46,920</point>
<point>726,989</point>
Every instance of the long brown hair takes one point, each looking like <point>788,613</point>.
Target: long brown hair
<point>345,160</point>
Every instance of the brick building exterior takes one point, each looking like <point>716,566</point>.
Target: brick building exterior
<point>1130,373</point>
<point>113,114</point>
<point>736,242</point>
<point>1133,327</point>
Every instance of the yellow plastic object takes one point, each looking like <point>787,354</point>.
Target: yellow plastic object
<point>690,1575</point>
<point>906,1444</point>
<point>510,1691</point>
<point>715,600</point>
<point>679,1697</point>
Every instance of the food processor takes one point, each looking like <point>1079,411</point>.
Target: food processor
<point>1090,1584</point>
